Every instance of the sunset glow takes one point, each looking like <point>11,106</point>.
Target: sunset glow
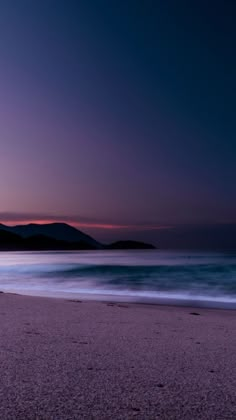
<point>80,225</point>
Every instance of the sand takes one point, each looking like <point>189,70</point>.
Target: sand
<point>63,359</point>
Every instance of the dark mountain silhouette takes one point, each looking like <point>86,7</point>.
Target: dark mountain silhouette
<point>9,241</point>
<point>58,231</point>
<point>55,236</point>
<point>206,237</point>
<point>129,245</point>
<point>42,242</point>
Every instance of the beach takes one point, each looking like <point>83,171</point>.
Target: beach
<point>70,359</point>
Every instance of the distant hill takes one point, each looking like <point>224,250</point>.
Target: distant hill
<point>41,242</point>
<point>129,245</point>
<point>206,237</point>
<point>9,241</point>
<point>56,236</point>
<point>57,231</point>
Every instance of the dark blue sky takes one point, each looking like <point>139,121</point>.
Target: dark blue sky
<point>118,112</point>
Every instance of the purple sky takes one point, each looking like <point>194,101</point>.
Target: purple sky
<point>112,117</point>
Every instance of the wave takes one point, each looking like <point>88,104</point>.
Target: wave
<point>167,276</point>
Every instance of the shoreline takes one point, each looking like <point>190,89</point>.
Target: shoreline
<point>175,279</point>
<point>119,298</point>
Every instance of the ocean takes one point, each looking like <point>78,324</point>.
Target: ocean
<point>187,278</point>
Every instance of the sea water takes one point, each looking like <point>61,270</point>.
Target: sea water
<point>190,278</point>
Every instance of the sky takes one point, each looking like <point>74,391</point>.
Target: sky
<point>118,116</point>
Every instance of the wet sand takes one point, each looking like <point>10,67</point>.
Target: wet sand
<point>65,359</point>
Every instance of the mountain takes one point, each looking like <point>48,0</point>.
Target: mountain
<point>220,237</point>
<point>41,242</point>
<point>58,231</point>
<point>9,241</point>
<point>56,236</point>
<point>129,245</point>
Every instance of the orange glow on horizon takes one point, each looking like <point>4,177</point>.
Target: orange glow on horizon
<point>89,225</point>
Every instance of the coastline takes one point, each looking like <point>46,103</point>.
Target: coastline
<point>165,300</point>
<point>74,359</point>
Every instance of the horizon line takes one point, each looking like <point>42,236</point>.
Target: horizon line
<point>80,222</point>
<point>91,225</point>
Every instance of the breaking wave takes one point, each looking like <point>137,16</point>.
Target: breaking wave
<point>205,278</point>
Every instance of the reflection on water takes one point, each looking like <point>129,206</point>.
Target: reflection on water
<point>138,275</point>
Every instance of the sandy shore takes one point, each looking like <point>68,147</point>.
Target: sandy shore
<point>62,359</point>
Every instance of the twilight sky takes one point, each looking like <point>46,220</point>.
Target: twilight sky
<point>118,115</point>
